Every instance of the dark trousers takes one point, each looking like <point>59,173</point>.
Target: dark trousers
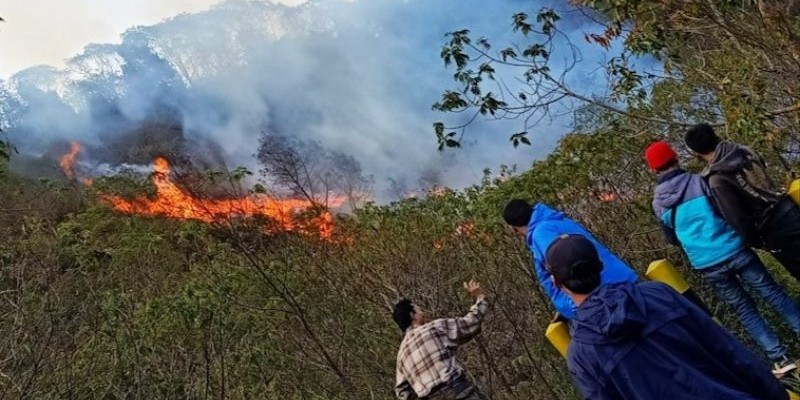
<point>745,270</point>
<point>781,235</point>
<point>459,389</point>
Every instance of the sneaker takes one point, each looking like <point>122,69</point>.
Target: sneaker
<point>783,365</point>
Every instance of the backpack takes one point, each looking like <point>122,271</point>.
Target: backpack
<point>755,181</point>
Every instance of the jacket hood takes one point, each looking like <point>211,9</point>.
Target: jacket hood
<point>728,157</point>
<point>671,188</point>
<point>611,313</point>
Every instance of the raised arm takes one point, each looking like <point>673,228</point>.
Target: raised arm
<point>460,330</point>
<point>561,301</point>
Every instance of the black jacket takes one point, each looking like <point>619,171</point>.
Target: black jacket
<point>742,190</point>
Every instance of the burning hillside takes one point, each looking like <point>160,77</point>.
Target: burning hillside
<point>173,201</point>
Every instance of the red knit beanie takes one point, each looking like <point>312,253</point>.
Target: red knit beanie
<point>659,155</point>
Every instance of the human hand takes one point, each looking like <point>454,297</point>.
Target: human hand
<point>474,289</point>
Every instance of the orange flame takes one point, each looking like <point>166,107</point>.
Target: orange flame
<point>172,201</point>
<point>607,196</point>
<point>67,161</point>
<point>465,228</point>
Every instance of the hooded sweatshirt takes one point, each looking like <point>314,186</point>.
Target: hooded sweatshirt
<point>682,205</point>
<point>742,189</point>
<point>647,342</point>
<point>545,226</point>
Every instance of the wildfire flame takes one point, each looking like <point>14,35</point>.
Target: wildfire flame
<point>607,196</point>
<point>172,201</point>
<point>67,162</point>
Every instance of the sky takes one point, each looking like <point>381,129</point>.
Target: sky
<point>50,31</point>
<point>357,76</point>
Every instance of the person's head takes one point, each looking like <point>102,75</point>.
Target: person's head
<point>517,214</point>
<point>702,140</point>
<point>660,156</point>
<point>407,314</point>
<point>574,264</point>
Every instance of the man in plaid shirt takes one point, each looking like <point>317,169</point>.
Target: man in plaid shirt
<point>426,363</point>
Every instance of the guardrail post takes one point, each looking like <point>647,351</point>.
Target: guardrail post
<point>664,271</point>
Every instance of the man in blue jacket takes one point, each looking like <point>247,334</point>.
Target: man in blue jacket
<point>683,206</point>
<point>647,341</point>
<point>541,225</point>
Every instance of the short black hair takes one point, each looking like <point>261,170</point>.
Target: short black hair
<point>402,313</point>
<point>518,213</point>
<point>574,263</point>
<point>702,139</point>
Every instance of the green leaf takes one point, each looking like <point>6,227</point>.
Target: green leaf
<point>447,56</point>
<point>438,127</point>
<point>520,23</point>
<point>508,53</point>
<point>547,17</point>
<point>536,50</point>
<point>483,42</point>
<point>486,68</point>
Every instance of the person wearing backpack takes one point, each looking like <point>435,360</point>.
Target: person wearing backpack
<point>748,198</point>
<point>682,205</point>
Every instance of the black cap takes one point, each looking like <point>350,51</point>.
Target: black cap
<point>573,257</point>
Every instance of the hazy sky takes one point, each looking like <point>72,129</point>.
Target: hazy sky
<point>50,31</point>
<point>245,67</point>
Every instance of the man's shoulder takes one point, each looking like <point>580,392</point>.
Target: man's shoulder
<point>658,289</point>
<point>549,229</point>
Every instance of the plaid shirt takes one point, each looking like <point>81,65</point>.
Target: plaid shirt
<point>427,354</point>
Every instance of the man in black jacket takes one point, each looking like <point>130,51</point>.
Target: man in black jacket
<point>748,198</point>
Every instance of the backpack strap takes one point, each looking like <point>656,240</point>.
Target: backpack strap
<point>672,219</point>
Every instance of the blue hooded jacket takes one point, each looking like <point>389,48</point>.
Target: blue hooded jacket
<point>704,235</point>
<point>545,226</point>
<point>647,342</point>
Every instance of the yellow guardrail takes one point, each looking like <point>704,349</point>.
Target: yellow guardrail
<point>794,192</point>
<point>664,271</point>
<point>558,335</point>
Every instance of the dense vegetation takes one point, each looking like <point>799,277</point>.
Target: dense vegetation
<point>97,304</point>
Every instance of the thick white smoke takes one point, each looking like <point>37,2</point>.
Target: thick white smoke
<point>358,77</point>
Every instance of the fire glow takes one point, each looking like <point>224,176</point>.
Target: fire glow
<point>172,201</point>
<point>67,161</point>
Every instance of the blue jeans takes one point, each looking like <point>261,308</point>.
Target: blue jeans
<point>745,269</point>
